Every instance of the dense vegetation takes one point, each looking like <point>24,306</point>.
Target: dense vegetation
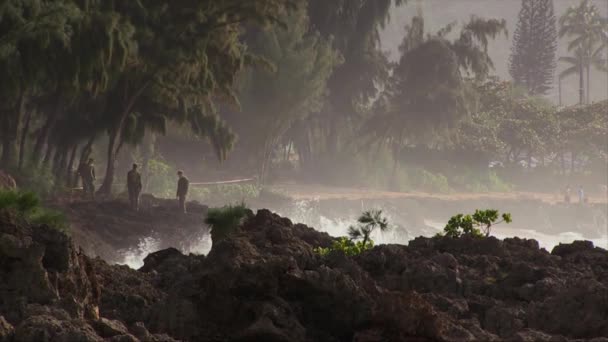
<point>285,89</point>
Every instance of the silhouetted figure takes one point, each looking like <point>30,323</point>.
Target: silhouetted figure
<point>87,173</point>
<point>581,194</point>
<point>134,187</point>
<point>567,194</point>
<point>182,190</point>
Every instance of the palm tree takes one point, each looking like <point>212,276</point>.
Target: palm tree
<point>367,223</point>
<point>587,28</point>
<point>577,66</point>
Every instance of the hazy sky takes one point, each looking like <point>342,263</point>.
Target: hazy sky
<point>438,13</point>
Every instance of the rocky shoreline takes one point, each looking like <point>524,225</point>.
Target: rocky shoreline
<point>265,283</point>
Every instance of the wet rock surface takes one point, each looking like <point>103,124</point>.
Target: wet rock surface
<point>109,228</point>
<point>265,283</point>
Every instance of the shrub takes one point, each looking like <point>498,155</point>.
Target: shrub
<point>473,224</point>
<point>427,181</point>
<point>27,206</point>
<point>224,221</point>
<point>50,218</point>
<point>366,224</point>
<point>22,202</point>
<point>345,246</point>
<point>37,179</point>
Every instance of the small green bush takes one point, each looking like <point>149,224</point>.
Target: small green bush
<point>366,223</point>
<point>22,202</point>
<point>345,246</point>
<point>50,218</point>
<point>27,206</point>
<point>473,225</point>
<point>224,221</point>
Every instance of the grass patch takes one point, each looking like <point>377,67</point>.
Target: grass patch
<point>225,220</point>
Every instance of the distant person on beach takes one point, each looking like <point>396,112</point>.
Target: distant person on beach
<point>567,194</point>
<point>87,174</point>
<point>581,194</point>
<point>134,187</point>
<point>182,190</point>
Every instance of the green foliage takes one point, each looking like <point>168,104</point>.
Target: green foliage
<point>345,246</point>
<point>27,206</point>
<point>224,221</point>
<point>51,218</point>
<point>427,181</point>
<point>472,225</point>
<point>302,61</point>
<point>366,223</point>
<point>532,63</point>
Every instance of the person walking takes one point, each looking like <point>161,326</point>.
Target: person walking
<point>134,187</point>
<point>581,195</point>
<point>87,173</point>
<point>182,190</point>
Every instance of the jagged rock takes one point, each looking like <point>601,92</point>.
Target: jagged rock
<point>50,329</point>
<point>6,330</point>
<point>265,283</point>
<point>122,338</point>
<point>110,328</point>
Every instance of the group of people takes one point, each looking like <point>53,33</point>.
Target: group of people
<point>86,171</point>
<point>581,194</point>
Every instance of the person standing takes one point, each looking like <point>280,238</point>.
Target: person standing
<point>182,190</point>
<point>581,195</point>
<point>134,187</point>
<point>87,173</point>
<point>567,194</point>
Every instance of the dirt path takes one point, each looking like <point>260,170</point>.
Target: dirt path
<point>322,192</point>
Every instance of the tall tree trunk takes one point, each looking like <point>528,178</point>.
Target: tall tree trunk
<point>115,135</point>
<point>8,149</point>
<point>149,150</point>
<point>108,180</point>
<point>44,133</point>
<point>85,153</point>
<point>581,85</point>
<point>588,85</point>
<point>24,133</point>
<point>572,162</point>
<point>70,174</point>
<point>11,126</point>
<point>47,156</point>
<point>559,85</point>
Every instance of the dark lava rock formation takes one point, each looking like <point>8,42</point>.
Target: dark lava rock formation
<point>265,283</point>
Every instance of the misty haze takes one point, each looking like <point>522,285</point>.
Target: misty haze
<point>311,170</point>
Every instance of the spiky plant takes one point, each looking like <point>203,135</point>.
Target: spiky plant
<point>368,222</point>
